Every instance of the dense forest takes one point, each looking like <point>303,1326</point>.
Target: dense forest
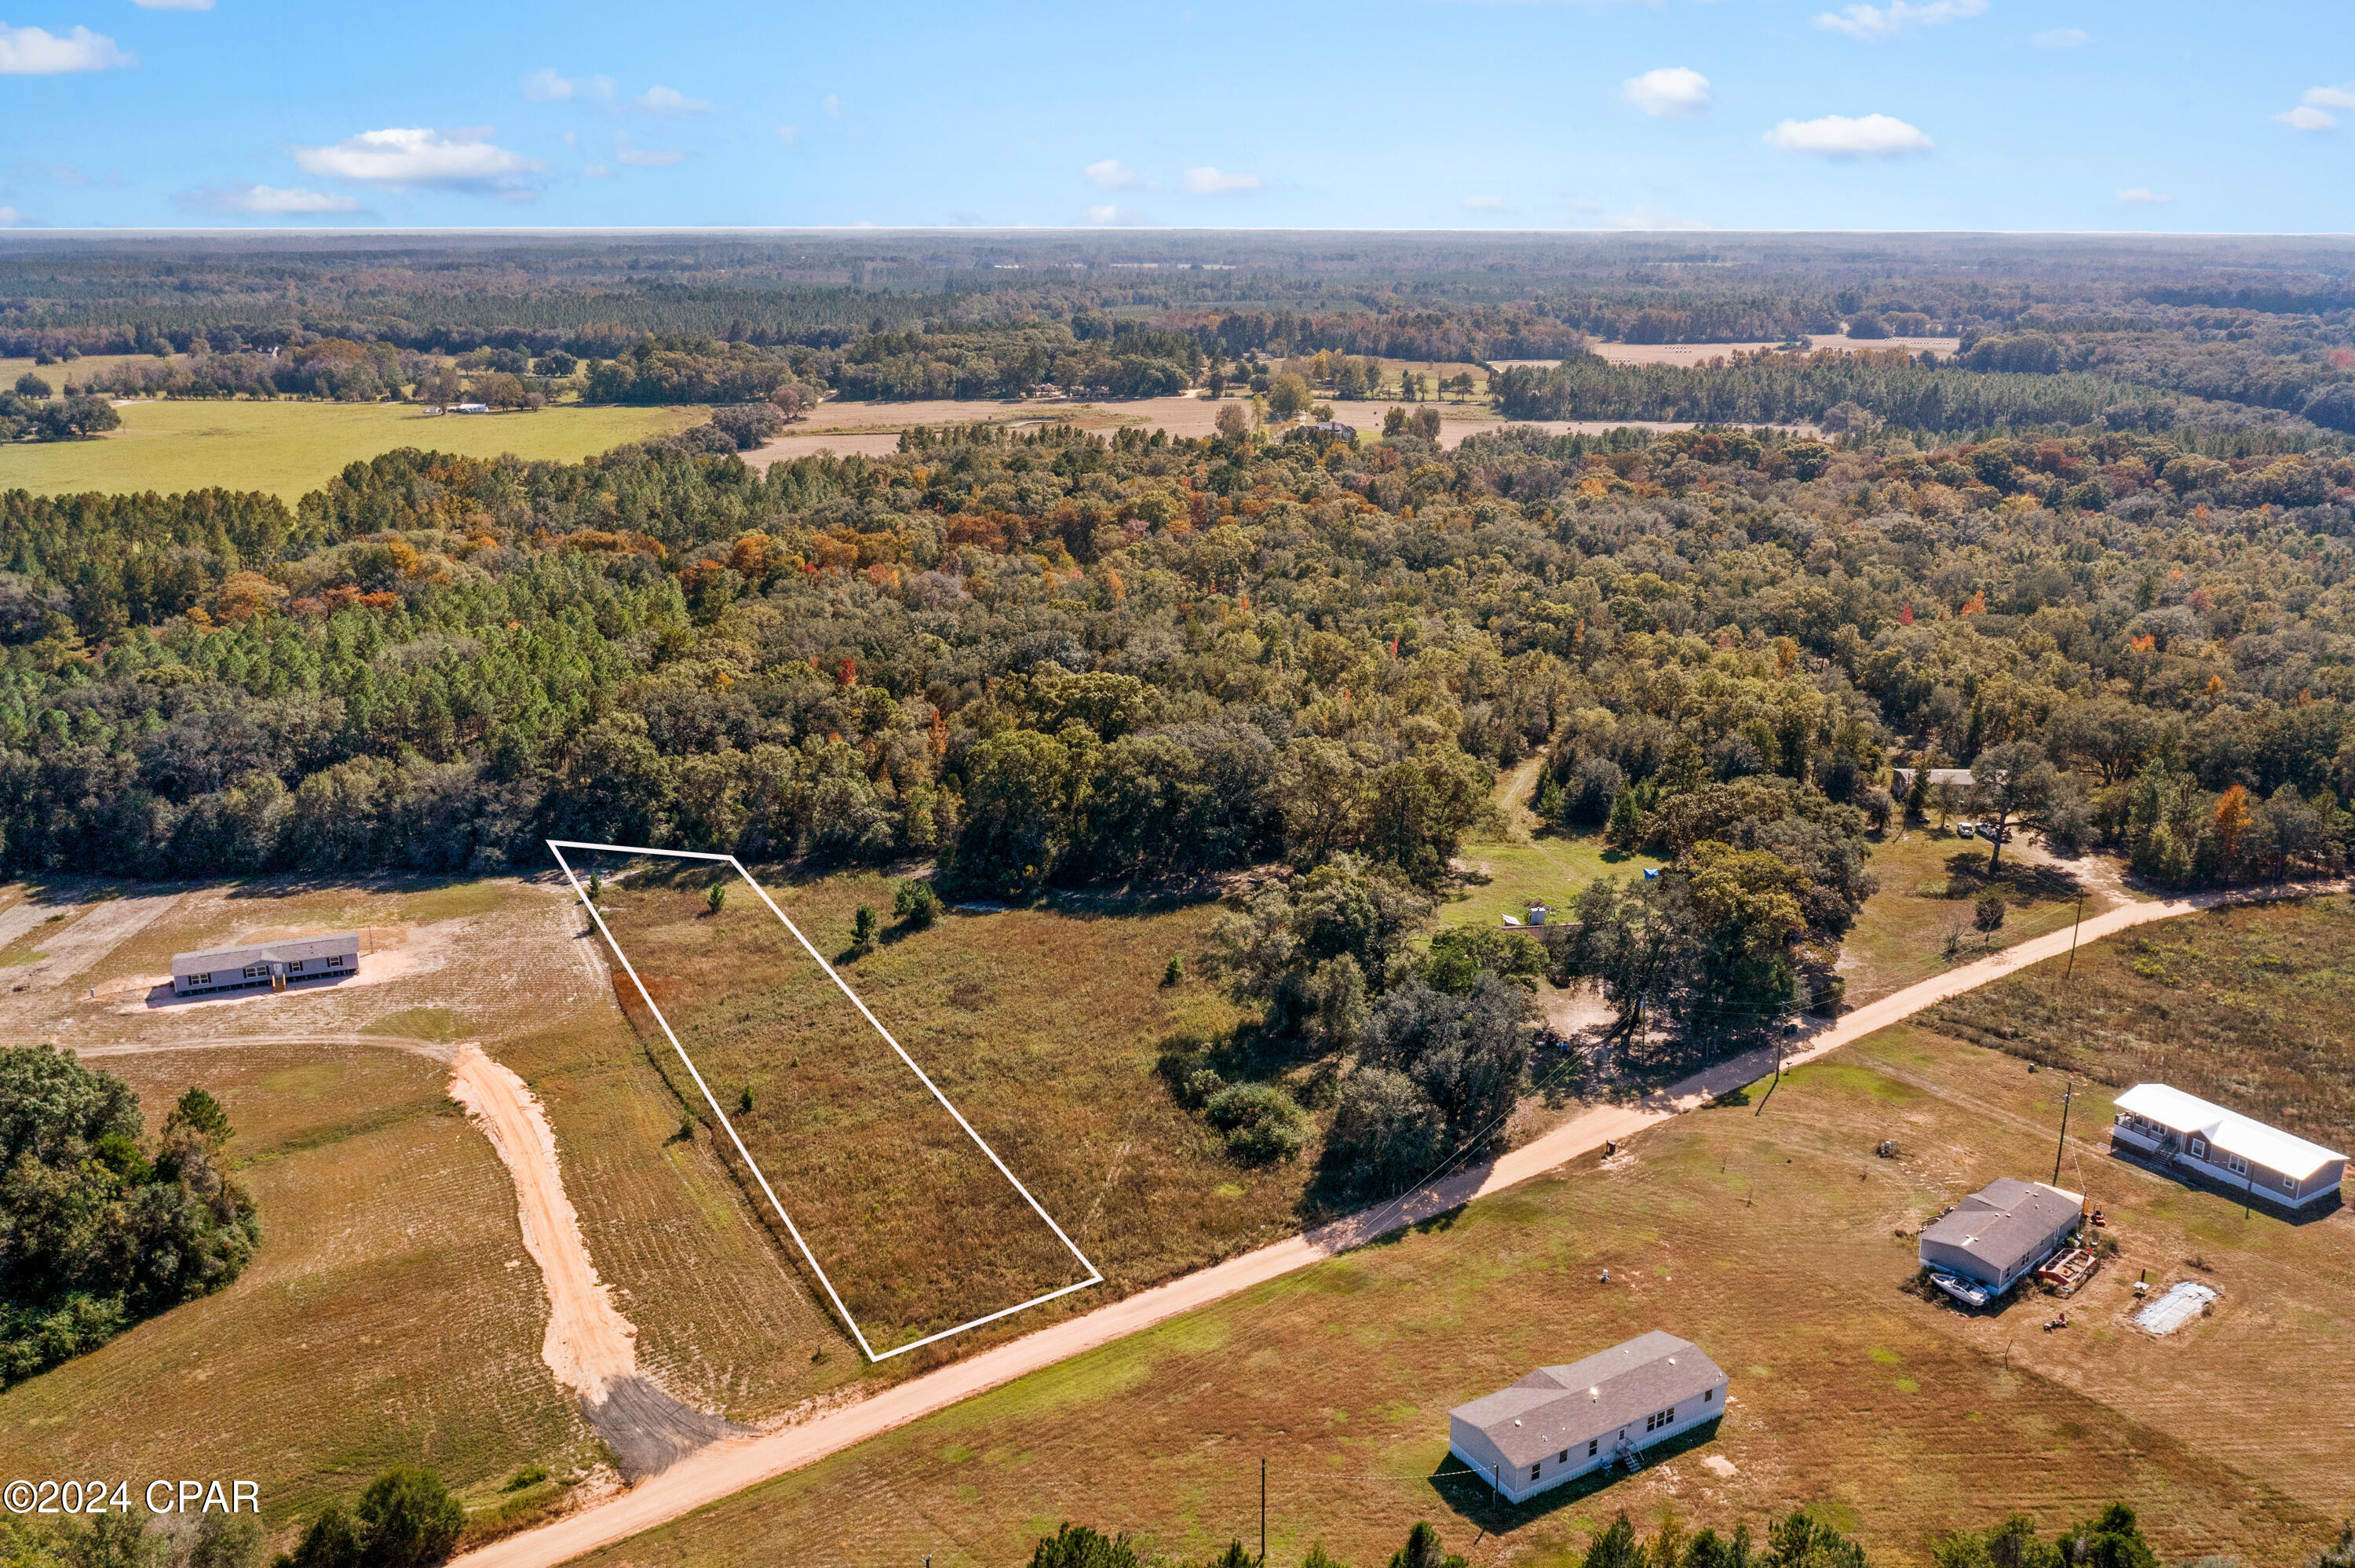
<point>1051,660</point>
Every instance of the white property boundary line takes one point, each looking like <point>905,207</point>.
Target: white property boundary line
<point>1095,1276</point>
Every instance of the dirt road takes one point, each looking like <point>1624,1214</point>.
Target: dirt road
<point>589,1345</point>
<point>726,1468</point>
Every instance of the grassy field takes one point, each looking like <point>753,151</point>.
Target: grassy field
<point>1044,1026</point>
<point>288,448</point>
<point>385,1319</point>
<point>391,1315</point>
<point>2248,1007</point>
<point>1549,868</point>
<point>1921,923</point>
<point>1765,1230</point>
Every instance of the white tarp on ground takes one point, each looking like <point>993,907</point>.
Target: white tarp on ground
<point>2175,1308</point>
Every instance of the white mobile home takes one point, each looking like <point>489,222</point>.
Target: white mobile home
<point>2182,1129</point>
<point>273,964</point>
<point>1998,1235</point>
<point>1566,1421</point>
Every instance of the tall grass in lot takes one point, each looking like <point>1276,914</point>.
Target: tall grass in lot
<point>1044,1026</point>
<point>289,448</point>
<point>1766,1232</point>
<point>2248,1007</point>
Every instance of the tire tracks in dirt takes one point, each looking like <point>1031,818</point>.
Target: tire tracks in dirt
<point>588,1346</point>
<point>726,1468</point>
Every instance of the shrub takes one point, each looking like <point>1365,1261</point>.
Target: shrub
<point>410,1519</point>
<point>916,904</point>
<point>1988,911</point>
<point>1263,1124</point>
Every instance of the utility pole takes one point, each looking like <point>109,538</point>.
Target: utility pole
<point>1262,1513</point>
<point>2066,1096</point>
<point>2072,936</point>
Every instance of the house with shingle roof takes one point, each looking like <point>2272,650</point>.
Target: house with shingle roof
<point>1562,1421</point>
<point>1999,1233</point>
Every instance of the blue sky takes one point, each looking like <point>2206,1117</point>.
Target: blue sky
<point>1979,114</point>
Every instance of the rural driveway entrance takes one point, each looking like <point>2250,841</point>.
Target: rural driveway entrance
<point>729,1467</point>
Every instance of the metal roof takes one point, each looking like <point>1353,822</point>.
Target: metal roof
<point>2284,1153</point>
<point>1555,1407</point>
<point>344,942</point>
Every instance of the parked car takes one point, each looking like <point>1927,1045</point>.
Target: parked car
<point>1966,829</point>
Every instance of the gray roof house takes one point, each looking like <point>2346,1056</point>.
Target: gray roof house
<point>1562,1421</point>
<point>1998,1235</point>
<point>273,964</point>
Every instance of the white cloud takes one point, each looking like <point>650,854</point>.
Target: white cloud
<point>264,201</point>
<point>645,157</point>
<point>670,100</point>
<point>1884,21</point>
<point>415,158</point>
<point>832,105</point>
<point>11,218</point>
<point>1671,92</point>
<point>2060,38</point>
<point>596,172</point>
<point>547,87</point>
<point>2306,117</point>
<point>1112,175</point>
<point>1113,216</point>
<point>1839,136</point>
<point>1206,181</point>
<point>1483,204</point>
<point>791,135</point>
<point>2329,98</point>
<point>173,4</point>
<point>2142,196</point>
<point>33,51</point>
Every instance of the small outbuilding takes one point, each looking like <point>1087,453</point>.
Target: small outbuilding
<point>1995,1237</point>
<point>1561,1422</point>
<point>1901,779</point>
<point>2177,1129</point>
<point>273,964</point>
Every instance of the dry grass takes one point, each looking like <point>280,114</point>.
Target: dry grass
<point>382,1324</point>
<point>1044,1026</point>
<point>1767,1233</point>
<point>2247,1006</point>
<point>1921,923</point>
<point>391,1315</point>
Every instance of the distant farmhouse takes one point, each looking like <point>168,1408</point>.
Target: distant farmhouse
<point>1901,779</point>
<point>1567,1421</point>
<point>1994,1238</point>
<point>273,964</point>
<point>2184,1130</point>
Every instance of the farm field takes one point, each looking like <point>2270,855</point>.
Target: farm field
<point>1043,1025</point>
<point>1762,1228</point>
<point>288,448</point>
<point>1688,354</point>
<point>393,1315</point>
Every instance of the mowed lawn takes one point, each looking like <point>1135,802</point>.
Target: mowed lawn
<point>289,448</point>
<point>1045,1026</point>
<point>1765,1231</point>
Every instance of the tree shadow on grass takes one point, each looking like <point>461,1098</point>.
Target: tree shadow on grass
<point>1474,1501</point>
